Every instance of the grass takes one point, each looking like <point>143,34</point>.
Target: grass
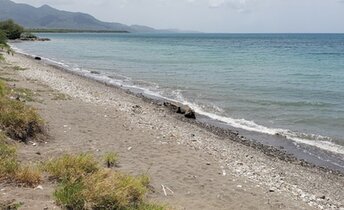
<point>83,185</point>
<point>69,194</point>
<point>8,158</point>
<point>111,159</point>
<point>17,120</point>
<point>11,170</point>
<point>70,166</point>
<point>28,176</point>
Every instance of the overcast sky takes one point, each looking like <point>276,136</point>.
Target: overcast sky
<point>214,15</point>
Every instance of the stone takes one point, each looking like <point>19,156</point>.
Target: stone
<point>38,58</point>
<point>180,109</point>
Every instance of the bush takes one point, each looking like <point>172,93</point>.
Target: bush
<point>27,36</point>
<point>11,29</point>
<point>3,37</point>
<point>71,166</point>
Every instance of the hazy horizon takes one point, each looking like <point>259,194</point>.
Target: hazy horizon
<point>215,16</point>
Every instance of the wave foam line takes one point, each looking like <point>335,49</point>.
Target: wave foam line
<point>319,141</point>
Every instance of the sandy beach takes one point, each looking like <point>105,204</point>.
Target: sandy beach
<point>202,170</point>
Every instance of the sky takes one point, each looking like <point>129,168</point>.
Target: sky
<point>224,16</point>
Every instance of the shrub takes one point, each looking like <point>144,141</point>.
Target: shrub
<point>3,37</point>
<point>11,29</point>
<point>71,166</point>
<point>110,159</point>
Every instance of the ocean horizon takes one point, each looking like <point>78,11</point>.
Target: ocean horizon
<point>289,85</point>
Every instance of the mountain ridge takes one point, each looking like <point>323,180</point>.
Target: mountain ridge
<point>47,17</point>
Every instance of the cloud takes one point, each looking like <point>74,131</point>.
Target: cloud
<point>241,6</point>
<point>216,3</point>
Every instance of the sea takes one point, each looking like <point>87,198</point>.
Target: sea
<point>288,87</point>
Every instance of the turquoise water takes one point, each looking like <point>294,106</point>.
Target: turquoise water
<point>290,84</point>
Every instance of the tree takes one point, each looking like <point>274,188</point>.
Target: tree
<point>3,44</point>
<point>11,29</point>
<point>3,37</point>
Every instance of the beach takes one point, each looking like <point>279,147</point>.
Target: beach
<point>202,169</point>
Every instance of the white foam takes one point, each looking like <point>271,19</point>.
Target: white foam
<point>317,141</point>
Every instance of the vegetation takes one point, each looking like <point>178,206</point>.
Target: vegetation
<point>3,44</point>
<point>84,185</point>
<point>37,30</point>
<point>27,36</point>
<point>11,29</point>
<point>68,167</point>
<point>110,159</point>
<point>18,120</point>
<point>11,170</point>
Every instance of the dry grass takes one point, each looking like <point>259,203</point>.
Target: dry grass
<point>85,186</point>
<point>107,189</point>
<point>71,166</point>
<point>29,176</point>
<point>17,120</point>
<point>8,158</point>
<point>12,171</point>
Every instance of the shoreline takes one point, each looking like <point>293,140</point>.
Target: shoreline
<point>277,146</point>
<point>232,159</point>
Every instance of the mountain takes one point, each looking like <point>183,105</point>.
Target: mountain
<point>46,17</point>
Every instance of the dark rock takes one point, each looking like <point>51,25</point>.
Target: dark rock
<point>190,114</point>
<point>94,72</point>
<point>38,58</point>
<point>180,109</point>
<point>271,190</point>
<point>43,39</point>
<point>322,197</point>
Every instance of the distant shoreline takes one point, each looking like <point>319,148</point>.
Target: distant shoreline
<point>72,31</point>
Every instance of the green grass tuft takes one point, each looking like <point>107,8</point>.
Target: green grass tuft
<point>69,194</point>
<point>111,159</point>
<point>8,158</point>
